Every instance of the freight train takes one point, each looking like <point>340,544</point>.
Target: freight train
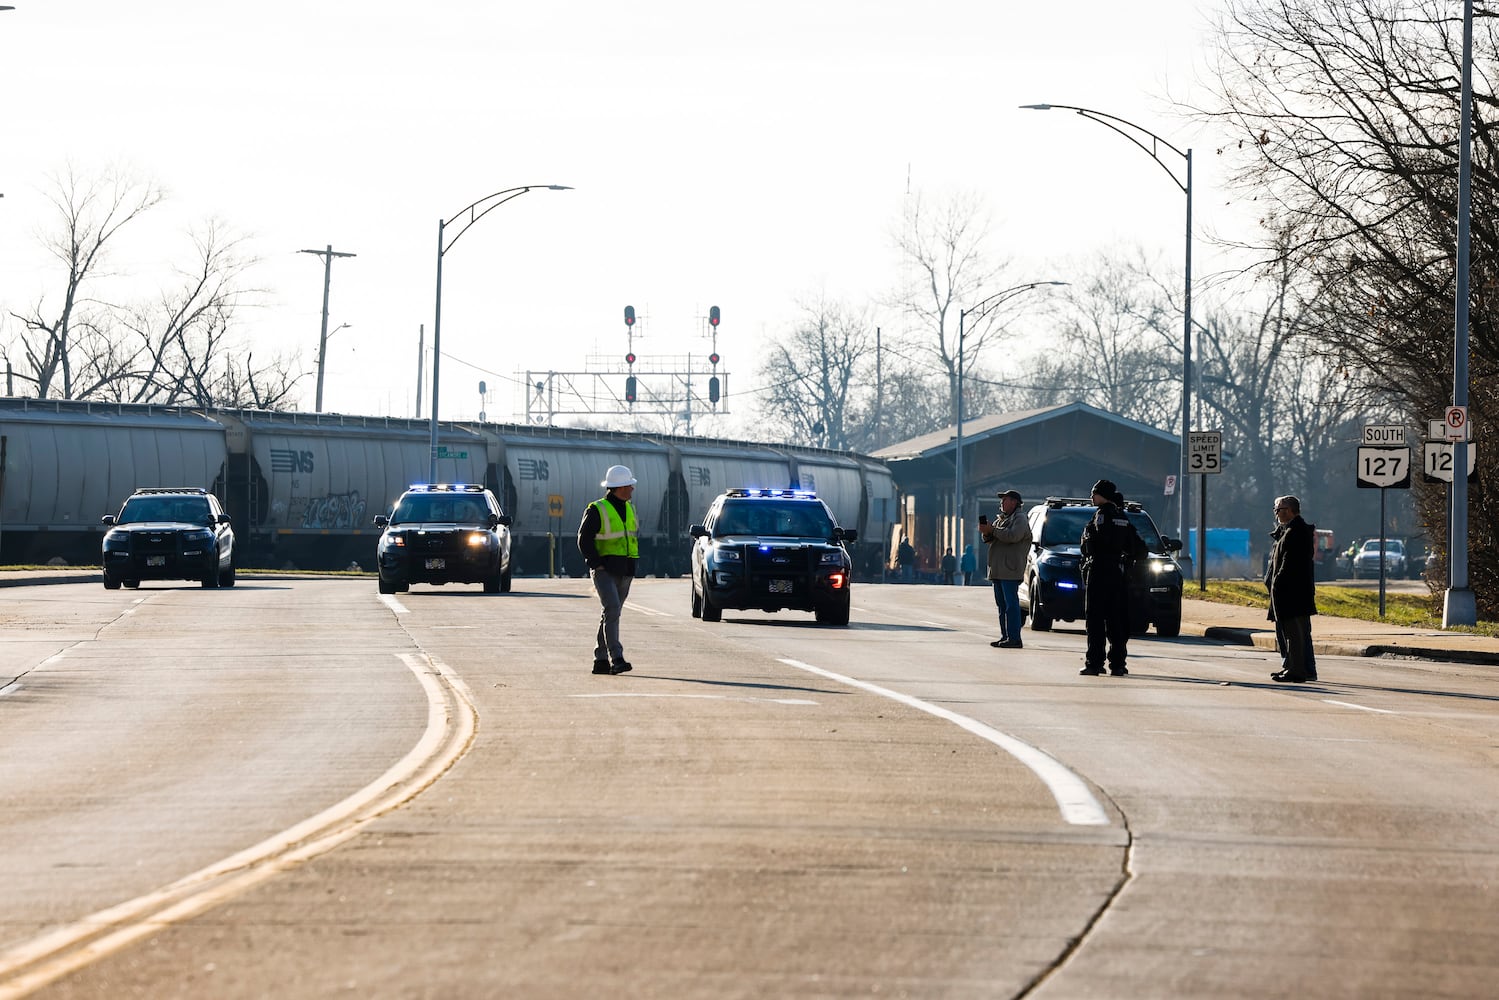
<point>303,489</point>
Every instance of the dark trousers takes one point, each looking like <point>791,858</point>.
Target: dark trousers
<point>1293,639</point>
<point>1106,609</point>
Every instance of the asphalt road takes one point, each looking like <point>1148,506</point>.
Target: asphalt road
<point>296,788</point>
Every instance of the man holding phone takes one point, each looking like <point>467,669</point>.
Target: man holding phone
<point>1009,542</point>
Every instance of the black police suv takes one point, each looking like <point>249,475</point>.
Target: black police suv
<point>444,533</point>
<point>1052,587</point>
<point>768,550</point>
<point>168,534</point>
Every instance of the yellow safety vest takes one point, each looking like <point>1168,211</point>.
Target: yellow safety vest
<point>614,538</point>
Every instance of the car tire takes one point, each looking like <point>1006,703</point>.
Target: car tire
<point>697,604</point>
<point>1040,620</point>
<point>505,579</point>
<point>492,584</point>
<point>210,579</point>
<point>711,611</point>
<point>110,583</point>
<point>387,585</point>
<point>1170,628</point>
<point>226,577</point>
<point>833,613</point>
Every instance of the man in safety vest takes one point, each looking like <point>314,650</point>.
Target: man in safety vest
<point>609,541</point>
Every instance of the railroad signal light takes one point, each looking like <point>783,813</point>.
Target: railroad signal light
<point>713,357</point>
<point>629,315</point>
<point>630,358</point>
<point>713,389</point>
<point>630,389</point>
<point>713,316</point>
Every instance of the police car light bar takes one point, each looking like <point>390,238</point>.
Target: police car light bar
<point>798,494</point>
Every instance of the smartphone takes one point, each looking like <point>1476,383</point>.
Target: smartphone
<point>983,519</point>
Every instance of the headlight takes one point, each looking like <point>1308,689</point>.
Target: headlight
<point>198,536</point>
<point>832,558</point>
<point>393,539</point>
<point>478,539</point>
<point>116,540</point>
<point>726,555</point>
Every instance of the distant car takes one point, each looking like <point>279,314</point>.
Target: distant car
<point>1366,562</point>
<point>768,550</point>
<point>1052,587</point>
<point>179,533</point>
<point>444,533</point>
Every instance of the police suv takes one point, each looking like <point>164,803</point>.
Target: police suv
<point>444,533</point>
<point>1052,587</point>
<point>768,550</point>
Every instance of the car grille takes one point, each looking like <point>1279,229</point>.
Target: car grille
<point>780,560</point>
<point>438,543</point>
<point>155,543</point>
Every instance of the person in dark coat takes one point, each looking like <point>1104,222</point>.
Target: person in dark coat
<point>1110,548</point>
<point>1291,580</point>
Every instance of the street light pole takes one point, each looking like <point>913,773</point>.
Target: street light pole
<point>1459,606</point>
<point>468,215</point>
<point>1134,134</point>
<point>979,311</point>
<point>322,341</point>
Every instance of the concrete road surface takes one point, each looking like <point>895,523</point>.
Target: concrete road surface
<point>298,788</point>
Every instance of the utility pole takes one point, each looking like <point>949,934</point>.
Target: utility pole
<point>421,364</point>
<point>322,344</point>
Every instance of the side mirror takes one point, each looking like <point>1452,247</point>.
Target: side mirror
<point>1172,544</point>
<point>503,521</point>
<point>224,519</point>
<point>846,534</point>
<point>107,519</point>
<point>381,521</point>
<point>697,531</point>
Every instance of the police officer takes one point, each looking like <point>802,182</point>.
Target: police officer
<point>1110,547</point>
<point>609,541</point>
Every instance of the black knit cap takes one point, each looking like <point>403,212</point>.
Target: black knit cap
<point>1106,488</point>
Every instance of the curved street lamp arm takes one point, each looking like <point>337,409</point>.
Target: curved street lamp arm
<point>1004,295</point>
<point>496,200</point>
<point>1114,122</point>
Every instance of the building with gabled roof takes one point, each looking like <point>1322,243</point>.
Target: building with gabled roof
<point>1052,451</point>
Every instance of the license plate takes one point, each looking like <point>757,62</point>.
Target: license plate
<point>781,586</point>
<point>156,560</point>
<point>437,564</point>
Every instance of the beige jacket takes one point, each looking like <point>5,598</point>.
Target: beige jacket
<point>1009,541</point>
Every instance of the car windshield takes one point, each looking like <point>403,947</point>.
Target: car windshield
<point>1064,526</point>
<point>187,510</point>
<point>760,517</point>
<point>1389,546</point>
<point>443,507</point>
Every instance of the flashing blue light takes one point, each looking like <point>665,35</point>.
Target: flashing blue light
<point>1066,585</point>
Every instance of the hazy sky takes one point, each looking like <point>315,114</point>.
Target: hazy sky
<point>745,156</point>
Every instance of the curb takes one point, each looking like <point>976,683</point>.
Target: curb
<point>1263,639</point>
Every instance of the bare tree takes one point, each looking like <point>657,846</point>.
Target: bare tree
<point>178,348</point>
<point>816,392</point>
<point>1348,114</point>
<point>947,265</point>
<point>62,334</point>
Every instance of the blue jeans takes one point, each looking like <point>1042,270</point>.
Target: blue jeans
<point>1007,599</point>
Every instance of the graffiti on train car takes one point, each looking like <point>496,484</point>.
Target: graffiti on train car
<point>699,475</point>
<point>338,510</point>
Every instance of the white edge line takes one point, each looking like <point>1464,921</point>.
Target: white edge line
<point>1076,802</point>
<point>705,697</point>
<point>394,605</point>
<point>196,892</point>
<point>1361,708</point>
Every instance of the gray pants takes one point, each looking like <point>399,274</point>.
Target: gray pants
<point>612,591</point>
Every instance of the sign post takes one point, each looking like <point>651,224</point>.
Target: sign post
<point>1204,457</point>
<point>1384,462</point>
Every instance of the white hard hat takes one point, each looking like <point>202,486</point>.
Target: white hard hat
<point>618,475</point>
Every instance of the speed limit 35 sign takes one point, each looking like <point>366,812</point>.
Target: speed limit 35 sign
<point>1204,452</point>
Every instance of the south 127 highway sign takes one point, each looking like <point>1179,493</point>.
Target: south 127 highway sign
<point>1384,468</point>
